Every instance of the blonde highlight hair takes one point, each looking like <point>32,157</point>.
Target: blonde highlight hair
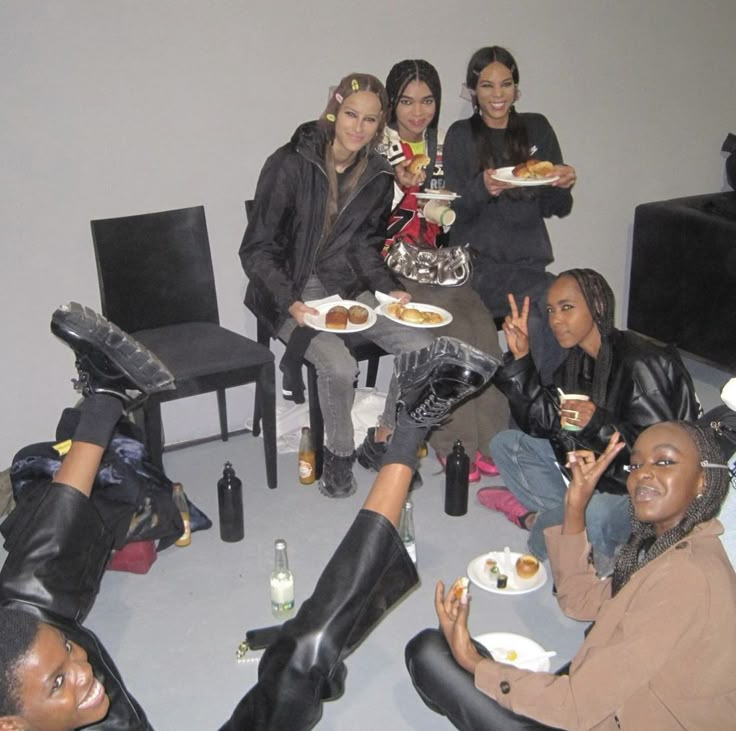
<point>349,85</point>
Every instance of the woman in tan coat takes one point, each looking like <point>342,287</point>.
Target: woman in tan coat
<point>659,654</point>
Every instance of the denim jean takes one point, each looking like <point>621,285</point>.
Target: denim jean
<point>337,369</point>
<point>529,469</point>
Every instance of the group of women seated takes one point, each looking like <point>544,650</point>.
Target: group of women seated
<point>606,468</point>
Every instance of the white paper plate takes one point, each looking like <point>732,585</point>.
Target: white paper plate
<point>498,643</point>
<point>318,321</point>
<point>506,175</point>
<point>446,316</point>
<point>480,576</point>
<point>437,195</point>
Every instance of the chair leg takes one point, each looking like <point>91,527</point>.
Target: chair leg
<point>256,430</point>
<point>316,422</point>
<point>266,396</point>
<point>153,430</point>
<point>372,373</point>
<point>222,410</point>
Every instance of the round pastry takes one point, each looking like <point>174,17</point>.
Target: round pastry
<point>358,315</point>
<point>418,163</point>
<point>526,566</point>
<point>410,314</point>
<point>336,318</point>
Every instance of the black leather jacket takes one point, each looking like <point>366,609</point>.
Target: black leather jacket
<point>281,247</point>
<point>648,384</point>
<point>57,551</point>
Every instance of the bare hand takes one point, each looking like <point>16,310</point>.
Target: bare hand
<point>405,179</point>
<point>516,328</point>
<point>586,470</point>
<point>567,176</point>
<point>576,412</point>
<point>403,297</point>
<point>493,186</point>
<point>453,615</point>
<point>299,309</point>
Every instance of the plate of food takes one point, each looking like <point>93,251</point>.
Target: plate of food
<point>506,572</point>
<point>415,314</point>
<point>342,316</point>
<point>516,650</point>
<point>531,172</point>
<point>436,195</point>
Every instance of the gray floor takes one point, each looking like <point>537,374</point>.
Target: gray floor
<point>174,631</point>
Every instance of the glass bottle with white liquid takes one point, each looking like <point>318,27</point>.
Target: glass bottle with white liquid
<point>282,582</point>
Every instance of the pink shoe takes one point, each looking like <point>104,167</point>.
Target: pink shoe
<point>473,473</point>
<point>486,465</point>
<point>502,500</point>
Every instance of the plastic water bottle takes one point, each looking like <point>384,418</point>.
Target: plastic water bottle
<point>457,470</point>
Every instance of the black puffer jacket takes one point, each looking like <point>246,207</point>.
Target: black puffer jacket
<point>648,384</point>
<point>57,549</point>
<point>280,248</point>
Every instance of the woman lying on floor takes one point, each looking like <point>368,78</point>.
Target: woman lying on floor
<point>659,653</point>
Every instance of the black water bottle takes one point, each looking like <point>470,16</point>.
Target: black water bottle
<point>457,470</point>
<point>230,502</point>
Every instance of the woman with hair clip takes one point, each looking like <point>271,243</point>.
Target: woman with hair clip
<point>610,381</point>
<point>316,229</point>
<point>505,224</point>
<point>414,96</point>
<point>658,655</point>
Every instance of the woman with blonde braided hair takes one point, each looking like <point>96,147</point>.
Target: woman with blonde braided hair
<point>658,655</point>
<point>610,381</point>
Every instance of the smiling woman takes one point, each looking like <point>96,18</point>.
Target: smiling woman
<point>673,574</point>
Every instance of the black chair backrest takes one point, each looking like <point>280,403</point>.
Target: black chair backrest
<point>155,269</point>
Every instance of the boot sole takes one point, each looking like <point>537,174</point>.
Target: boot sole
<point>80,328</point>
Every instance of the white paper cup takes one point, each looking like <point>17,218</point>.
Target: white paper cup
<point>567,425</point>
<point>439,212</point>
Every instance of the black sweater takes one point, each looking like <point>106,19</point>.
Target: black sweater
<point>507,232</point>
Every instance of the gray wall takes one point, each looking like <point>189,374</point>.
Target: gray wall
<point>111,108</point>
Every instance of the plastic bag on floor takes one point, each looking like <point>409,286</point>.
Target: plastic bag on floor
<point>290,418</point>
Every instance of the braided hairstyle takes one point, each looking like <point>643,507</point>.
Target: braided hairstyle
<point>401,75</point>
<point>643,545</point>
<point>18,631</point>
<point>601,303</point>
<point>350,84</point>
<point>516,138</point>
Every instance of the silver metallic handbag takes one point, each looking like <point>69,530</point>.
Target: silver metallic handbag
<point>450,266</point>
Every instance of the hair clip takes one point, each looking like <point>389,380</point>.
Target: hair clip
<point>355,85</point>
<point>714,465</point>
<point>338,97</point>
<point>330,117</point>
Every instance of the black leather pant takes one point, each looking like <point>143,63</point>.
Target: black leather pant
<point>368,573</point>
<point>450,691</point>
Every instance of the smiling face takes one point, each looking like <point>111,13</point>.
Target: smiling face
<point>665,476</point>
<point>356,124</point>
<point>415,109</point>
<point>570,318</point>
<point>495,94</point>
<point>58,690</point>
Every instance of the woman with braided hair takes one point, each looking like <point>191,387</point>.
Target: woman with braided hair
<point>658,654</point>
<point>627,384</point>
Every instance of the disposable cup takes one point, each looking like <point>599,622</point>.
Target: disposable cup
<point>439,212</point>
<point>566,425</point>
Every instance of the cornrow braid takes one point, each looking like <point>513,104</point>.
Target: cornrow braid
<point>643,545</point>
<point>402,74</point>
<point>602,304</point>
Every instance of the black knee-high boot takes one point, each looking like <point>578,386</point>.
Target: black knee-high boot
<point>368,573</point>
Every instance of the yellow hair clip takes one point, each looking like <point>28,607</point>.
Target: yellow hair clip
<point>330,117</point>
<point>355,85</point>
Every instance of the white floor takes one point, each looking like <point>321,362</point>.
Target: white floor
<point>174,631</point>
